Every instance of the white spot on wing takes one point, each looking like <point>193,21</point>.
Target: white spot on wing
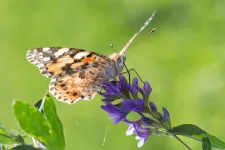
<point>41,65</point>
<point>61,52</point>
<point>46,59</point>
<point>81,54</point>
<point>36,62</point>
<point>46,49</point>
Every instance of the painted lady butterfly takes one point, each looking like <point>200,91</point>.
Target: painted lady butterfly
<point>77,74</point>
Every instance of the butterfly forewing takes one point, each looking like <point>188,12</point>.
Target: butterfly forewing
<point>58,61</point>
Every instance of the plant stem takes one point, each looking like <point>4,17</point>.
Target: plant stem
<point>185,145</point>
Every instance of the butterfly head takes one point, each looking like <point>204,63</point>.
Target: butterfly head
<point>119,61</point>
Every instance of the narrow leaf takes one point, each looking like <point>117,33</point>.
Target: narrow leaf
<point>5,136</point>
<point>34,124</point>
<point>206,145</point>
<point>53,119</point>
<point>9,138</point>
<point>194,132</point>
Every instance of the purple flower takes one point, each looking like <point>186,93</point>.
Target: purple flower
<point>115,112</point>
<point>166,118</point>
<point>117,90</point>
<point>151,121</point>
<point>133,88</point>
<point>119,111</point>
<point>153,107</point>
<point>112,90</point>
<point>123,83</point>
<point>147,121</point>
<point>166,114</point>
<point>142,137</point>
<point>133,105</point>
<point>146,90</point>
<point>136,127</point>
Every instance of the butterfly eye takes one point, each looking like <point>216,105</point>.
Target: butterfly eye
<point>122,59</point>
<point>119,60</point>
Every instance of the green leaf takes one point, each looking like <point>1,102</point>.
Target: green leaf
<point>35,124</point>
<point>206,144</point>
<point>25,147</point>
<point>5,136</point>
<point>53,119</point>
<point>41,122</point>
<point>194,132</point>
<point>9,138</point>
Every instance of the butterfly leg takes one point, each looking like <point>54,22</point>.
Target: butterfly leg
<point>128,72</point>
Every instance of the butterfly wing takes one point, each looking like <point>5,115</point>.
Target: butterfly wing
<point>75,73</point>
<point>59,61</point>
<point>82,85</point>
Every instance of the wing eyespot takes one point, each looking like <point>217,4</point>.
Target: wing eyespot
<point>75,93</point>
<point>62,85</point>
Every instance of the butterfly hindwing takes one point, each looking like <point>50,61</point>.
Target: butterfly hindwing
<point>82,85</point>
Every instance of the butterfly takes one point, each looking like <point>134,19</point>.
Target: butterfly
<point>77,74</point>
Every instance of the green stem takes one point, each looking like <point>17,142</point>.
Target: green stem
<point>147,110</point>
<point>185,145</point>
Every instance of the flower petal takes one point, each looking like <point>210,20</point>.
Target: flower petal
<point>166,113</point>
<point>133,105</point>
<point>153,106</point>
<point>141,141</point>
<point>147,88</point>
<point>130,130</point>
<point>114,112</point>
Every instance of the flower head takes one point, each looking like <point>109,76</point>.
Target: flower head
<point>127,94</point>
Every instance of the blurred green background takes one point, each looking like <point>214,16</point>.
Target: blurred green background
<point>183,60</point>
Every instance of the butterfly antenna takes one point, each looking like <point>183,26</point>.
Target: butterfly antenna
<point>123,51</point>
<point>142,38</point>
<point>112,46</point>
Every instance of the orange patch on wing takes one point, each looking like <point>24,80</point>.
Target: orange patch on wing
<point>82,61</point>
<point>56,68</point>
<point>68,91</point>
<point>86,59</point>
<point>76,65</point>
